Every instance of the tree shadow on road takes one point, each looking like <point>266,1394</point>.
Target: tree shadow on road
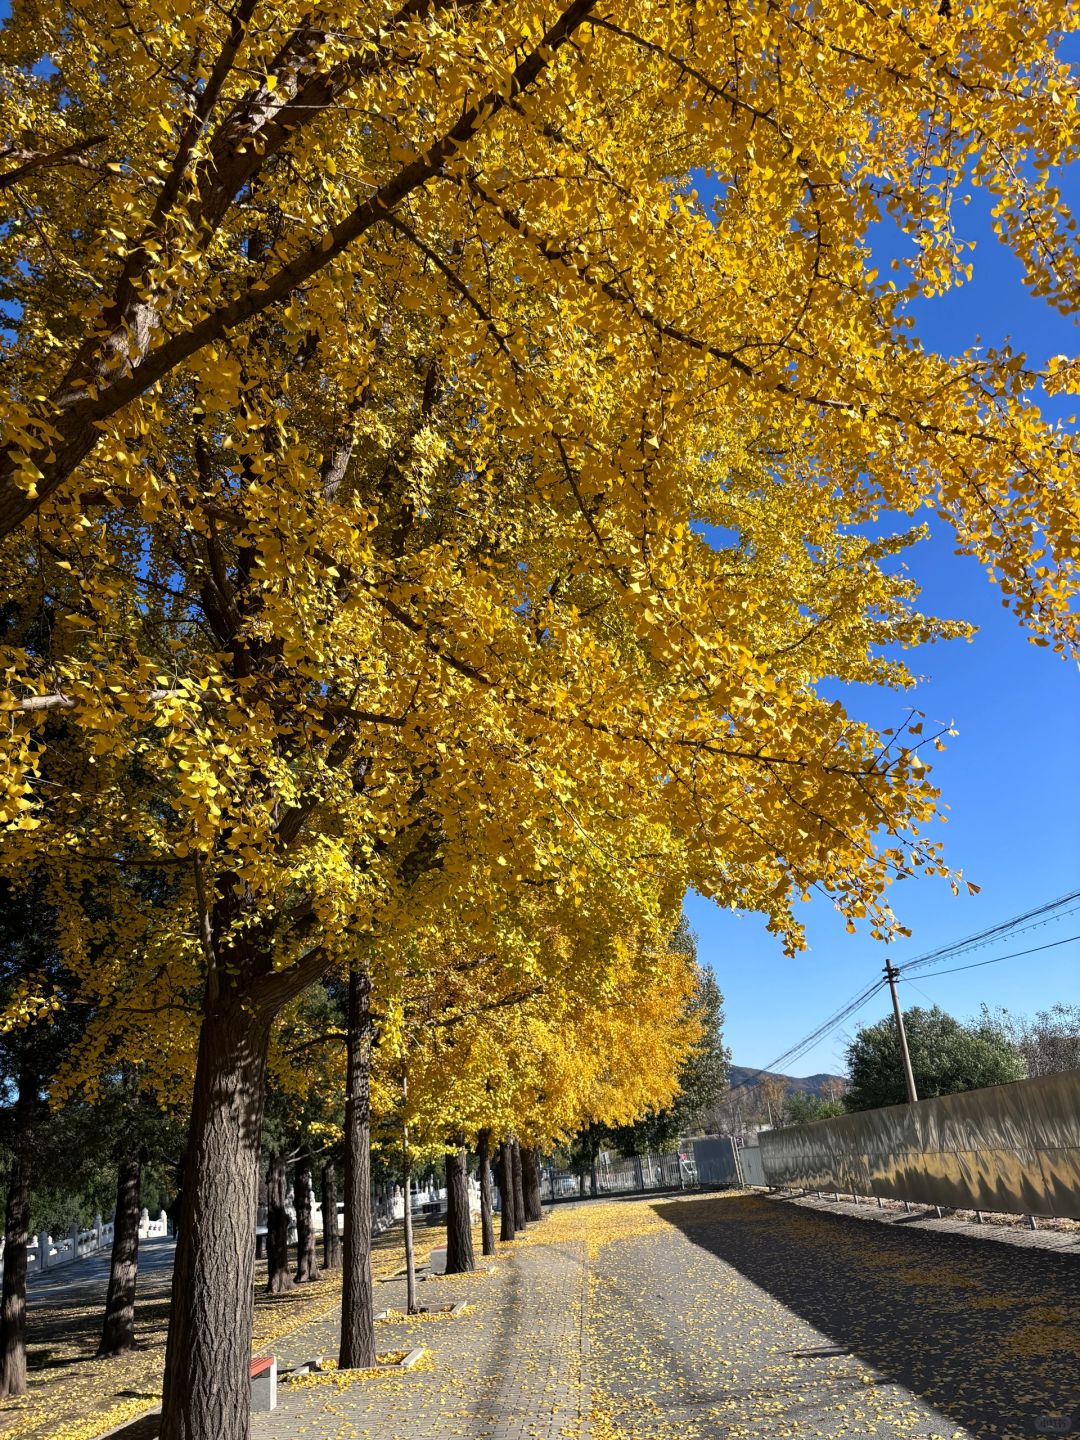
<point>988,1334</point>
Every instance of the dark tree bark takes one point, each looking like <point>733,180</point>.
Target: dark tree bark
<point>507,1229</point>
<point>594,1179</point>
<point>530,1181</point>
<point>278,1279</point>
<point>118,1331</point>
<point>307,1262</point>
<point>207,1386</point>
<point>331,1240</point>
<point>520,1218</point>
<point>487,1224</point>
<point>16,1239</point>
<point>260,1220</point>
<point>459,1247</point>
<point>357,1297</point>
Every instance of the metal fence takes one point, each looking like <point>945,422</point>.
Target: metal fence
<point>1012,1148</point>
<point>752,1166</point>
<point>716,1161</point>
<point>616,1175</point>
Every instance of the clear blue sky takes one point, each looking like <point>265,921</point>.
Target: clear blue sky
<point>1011,777</point>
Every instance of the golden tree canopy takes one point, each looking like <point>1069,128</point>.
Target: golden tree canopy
<point>371,380</point>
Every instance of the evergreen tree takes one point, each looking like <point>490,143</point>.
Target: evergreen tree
<point>946,1056</point>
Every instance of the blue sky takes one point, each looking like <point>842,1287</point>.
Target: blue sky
<point>1011,777</point>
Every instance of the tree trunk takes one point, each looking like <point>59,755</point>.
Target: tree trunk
<point>459,1247</point>
<point>307,1262</point>
<point>594,1179</point>
<point>118,1331</point>
<point>16,1238</point>
<point>207,1389</point>
<point>260,1221</point>
<point>507,1229</point>
<point>520,1218</point>
<point>331,1240</point>
<point>487,1224</point>
<point>278,1279</point>
<point>357,1296</point>
<point>530,1180</point>
<point>410,1254</point>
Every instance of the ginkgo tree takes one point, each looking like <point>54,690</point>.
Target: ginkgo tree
<point>264,692</point>
<point>515,1052</point>
<point>553,1021</point>
<point>264,689</point>
<point>172,179</point>
<point>372,380</point>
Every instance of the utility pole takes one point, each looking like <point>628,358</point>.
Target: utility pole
<point>891,974</point>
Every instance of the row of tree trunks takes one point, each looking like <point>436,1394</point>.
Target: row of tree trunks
<point>518,1179</point>
<point>118,1329</point>
<point>357,1349</point>
<point>274,1245</point>
<point>459,1247</point>
<point>206,1391</point>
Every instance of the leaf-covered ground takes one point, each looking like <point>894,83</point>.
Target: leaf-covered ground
<point>740,1316</point>
<point>728,1316</point>
<point>73,1395</point>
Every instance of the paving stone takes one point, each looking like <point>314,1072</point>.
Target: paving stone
<point>510,1367</point>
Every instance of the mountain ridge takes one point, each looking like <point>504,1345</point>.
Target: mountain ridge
<point>743,1075</point>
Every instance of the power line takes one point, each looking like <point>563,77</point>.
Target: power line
<point>978,964</point>
<point>1030,919</point>
<point>826,1027</point>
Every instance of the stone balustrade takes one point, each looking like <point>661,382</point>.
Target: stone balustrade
<point>46,1253</point>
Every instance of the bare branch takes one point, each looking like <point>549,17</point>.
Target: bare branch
<point>47,160</point>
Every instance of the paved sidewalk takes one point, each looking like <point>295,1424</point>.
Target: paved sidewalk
<point>740,1316</point>
<point>1005,1230</point>
<point>510,1368</point>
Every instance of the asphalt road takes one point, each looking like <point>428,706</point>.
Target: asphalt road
<point>85,1282</point>
<point>743,1317</point>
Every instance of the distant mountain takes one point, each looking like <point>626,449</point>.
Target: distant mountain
<point>811,1084</point>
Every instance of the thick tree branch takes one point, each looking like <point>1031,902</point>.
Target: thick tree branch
<point>76,413</point>
<point>30,161</point>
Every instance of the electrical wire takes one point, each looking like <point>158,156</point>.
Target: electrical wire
<point>1030,919</point>
<point>1041,915</point>
<point>825,1028</point>
<point>978,964</point>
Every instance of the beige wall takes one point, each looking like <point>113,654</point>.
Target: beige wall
<point>1008,1147</point>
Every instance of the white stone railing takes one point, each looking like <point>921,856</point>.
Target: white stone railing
<point>387,1205</point>
<point>45,1253</point>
